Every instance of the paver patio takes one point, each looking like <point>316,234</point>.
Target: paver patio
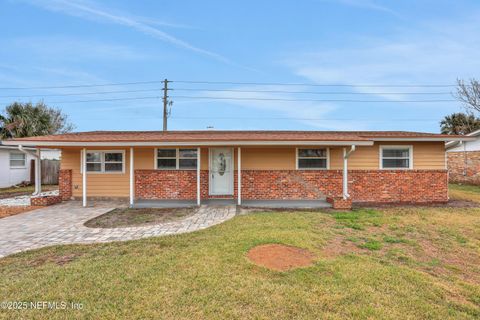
<point>63,224</point>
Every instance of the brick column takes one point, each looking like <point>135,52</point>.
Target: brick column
<point>65,184</point>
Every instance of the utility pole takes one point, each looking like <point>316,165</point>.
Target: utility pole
<point>165,104</point>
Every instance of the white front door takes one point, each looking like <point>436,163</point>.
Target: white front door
<point>221,171</point>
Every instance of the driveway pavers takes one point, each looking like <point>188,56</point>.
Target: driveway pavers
<point>64,224</point>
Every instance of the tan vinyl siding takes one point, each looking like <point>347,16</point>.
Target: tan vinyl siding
<point>363,158</point>
<point>429,156</point>
<point>268,158</point>
<point>98,184</point>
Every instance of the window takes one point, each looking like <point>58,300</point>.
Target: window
<point>174,159</point>
<point>105,161</point>
<point>312,158</point>
<point>396,157</point>
<point>17,160</point>
<point>187,159</point>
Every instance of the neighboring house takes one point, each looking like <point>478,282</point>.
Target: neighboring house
<point>248,166</point>
<point>15,165</point>
<point>464,159</point>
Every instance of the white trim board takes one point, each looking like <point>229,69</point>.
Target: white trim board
<point>202,143</point>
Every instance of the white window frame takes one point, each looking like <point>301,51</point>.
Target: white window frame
<point>410,156</point>
<point>297,158</point>
<point>177,158</point>
<point>17,167</point>
<point>102,162</point>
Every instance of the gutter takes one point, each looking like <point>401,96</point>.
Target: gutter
<point>38,178</point>
<point>346,155</point>
<point>33,154</point>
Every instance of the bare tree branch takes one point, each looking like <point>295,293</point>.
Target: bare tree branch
<point>469,94</point>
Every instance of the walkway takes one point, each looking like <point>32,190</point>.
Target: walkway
<point>63,224</point>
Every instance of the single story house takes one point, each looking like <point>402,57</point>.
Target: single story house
<point>464,160</point>
<point>252,166</point>
<point>15,164</point>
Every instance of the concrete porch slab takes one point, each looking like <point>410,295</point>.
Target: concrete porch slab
<point>287,204</point>
<point>164,203</point>
<point>220,202</point>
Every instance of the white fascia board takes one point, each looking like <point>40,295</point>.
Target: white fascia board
<point>474,133</point>
<point>15,147</point>
<point>426,139</point>
<point>196,143</point>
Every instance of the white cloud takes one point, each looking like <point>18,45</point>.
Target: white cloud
<point>366,4</point>
<point>434,54</point>
<point>87,10</point>
<point>68,48</point>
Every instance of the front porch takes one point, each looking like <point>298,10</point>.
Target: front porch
<point>222,175</point>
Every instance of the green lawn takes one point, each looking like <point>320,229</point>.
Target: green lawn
<point>399,263</point>
<point>464,192</point>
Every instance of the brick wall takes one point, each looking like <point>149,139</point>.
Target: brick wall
<point>399,186</point>
<point>378,186</point>
<point>45,201</point>
<point>464,167</point>
<point>174,184</point>
<point>339,203</point>
<point>65,183</point>
<point>290,184</point>
<point>166,184</point>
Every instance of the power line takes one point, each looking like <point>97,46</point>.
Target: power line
<point>321,85</point>
<point>224,90</point>
<point>235,83</point>
<point>83,85</point>
<point>311,92</point>
<point>278,118</point>
<point>316,100</point>
<point>287,118</point>
<point>81,93</point>
<point>101,100</point>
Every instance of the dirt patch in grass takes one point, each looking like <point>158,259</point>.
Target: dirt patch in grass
<point>128,217</point>
<point>280,257</point>
<point>59,260</point>
<point>340,246</point>
<point>10,211</point>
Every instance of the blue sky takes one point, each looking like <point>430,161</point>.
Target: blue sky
<point>346,42</point>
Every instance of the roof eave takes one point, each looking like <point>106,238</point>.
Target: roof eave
<point>427,139</point>
<point>186,143</point>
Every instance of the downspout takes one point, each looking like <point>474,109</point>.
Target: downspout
<point>38,178</point>
<point>346,155</point>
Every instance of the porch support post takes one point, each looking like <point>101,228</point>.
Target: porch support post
<point>239,176</point>
<point>346,155</point>
<point>38,172</point>
<point>198,177</point>
<point>84,177</point>
<point>132,179</point>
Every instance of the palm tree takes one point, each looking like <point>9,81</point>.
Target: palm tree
<point>459,123</point>
<point>26,120</point>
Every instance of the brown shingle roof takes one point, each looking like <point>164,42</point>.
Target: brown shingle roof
<point>215,135</point>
